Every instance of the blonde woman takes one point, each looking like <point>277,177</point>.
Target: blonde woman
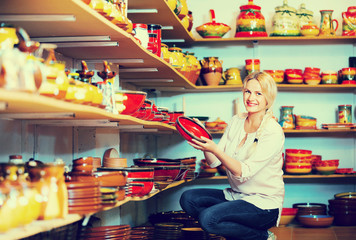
<point>251,151</point>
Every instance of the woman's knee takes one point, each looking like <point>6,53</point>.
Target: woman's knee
<point>208,220</point>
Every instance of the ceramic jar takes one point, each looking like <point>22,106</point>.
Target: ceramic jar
<point>305,16</point>
<point>140,31</point>
<point>287,117</point>
<point>184,10</point>
<point>232,76</point>
<point>285,21</point>
<point>252,65</point>
<point>176,57</point>
<point>156,29</point>
<point>211,70</point>
<point>165,53</point>
<point>327,23</point>
<point>196,67</point>
<point>349,22</point>
<point>250,22</point>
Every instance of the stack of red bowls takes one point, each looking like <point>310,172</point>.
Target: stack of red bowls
<point>343,208</point>
<point>107,232</point>
<point>164,167</point>
<point>298,161</point>
<point>294,76</point>
<point>312,76</point>
<point>83,197</point>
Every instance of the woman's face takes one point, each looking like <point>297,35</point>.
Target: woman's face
<point>254,100</point>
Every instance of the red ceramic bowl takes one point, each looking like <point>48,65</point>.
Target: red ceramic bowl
<point>133,100</point>
<point>147,188</point>
<point>174,172</point>
<point>316,220</point>
<point>134,172</point>
<point>143,162</point>
<point>190,129</point>
<point>328,163</point>
<point>289,211</point>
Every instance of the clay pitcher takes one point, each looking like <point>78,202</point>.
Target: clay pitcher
<point>211,69</point>
<point>326,24</point>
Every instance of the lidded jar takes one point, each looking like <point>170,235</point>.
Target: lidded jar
<point>250,22</point>
<point>305,16</point>
<point>177,57</point>
<point>285,21</point>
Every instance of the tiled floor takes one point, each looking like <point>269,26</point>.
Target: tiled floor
<point>302,233</point>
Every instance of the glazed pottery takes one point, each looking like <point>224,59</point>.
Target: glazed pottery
<point>349,22</point>
<point>327,23</point>
<point>232,76</point>
<point>212,29</point>
<point>287,117</point>
<point>250,22</point>
<point>345,113</point>
<point>309,30</point>
<point>211,70</point>
<point>305,16</point>
<point>190,129</point>
<point>285,21</point>
<point>252,65</point>
<point>316,220</point>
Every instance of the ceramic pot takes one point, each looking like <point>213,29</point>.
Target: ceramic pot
<point>305,16</point>
<point>285,21</point>
<point>250,22</point>
<point>349,22</point>
<point>287,117</point>
<point>232,76</point>
<point>211,69</point>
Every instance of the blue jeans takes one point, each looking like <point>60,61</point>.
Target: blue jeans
<point>236,219</point>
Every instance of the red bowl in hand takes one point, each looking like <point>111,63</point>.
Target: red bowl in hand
<point>190,129</point>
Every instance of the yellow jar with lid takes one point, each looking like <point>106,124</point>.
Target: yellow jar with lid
<point>195,69</point>
<point>176,57</point>
<point>165,53</point>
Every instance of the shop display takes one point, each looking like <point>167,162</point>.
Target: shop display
<point>285,21</point>
<point>212,29</point>
<point>250,22</point>
<point>349,22</point>
<point>327,23</point>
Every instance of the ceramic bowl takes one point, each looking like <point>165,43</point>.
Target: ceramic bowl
<point>143,162</point>
<point>285,220</point>
<point>189,129</point>
<point>328,163</point>
<point>310,80</point>
<point>134,172</point>
<point>326,170</point>
<point>316,220</point>
<point>277,75</point>
<point>174,172</point>
<point>297,152</point>
<point>297,168</point>
<point>111,178</point>
<point>345,195</point>
<point>132,101</point>
<point>147,185</point>
<point>289,211</point>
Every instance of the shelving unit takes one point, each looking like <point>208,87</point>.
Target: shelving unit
<point>137,66</point>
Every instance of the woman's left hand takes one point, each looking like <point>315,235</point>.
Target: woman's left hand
<point>207,146</point>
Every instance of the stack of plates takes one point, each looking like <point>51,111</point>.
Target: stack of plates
<point>194,234</point>
<point>121,232</point>
<point>108,196</point>
<point>83,197</point>
<point>145,232</point>
<point>168,230</point>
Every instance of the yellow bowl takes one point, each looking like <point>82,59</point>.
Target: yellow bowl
<point>326,170</point>
<point>285,220</point>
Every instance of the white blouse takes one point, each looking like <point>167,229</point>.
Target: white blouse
<point>261,182</point>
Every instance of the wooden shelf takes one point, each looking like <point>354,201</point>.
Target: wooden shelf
<point>20,105</point>
<point>153,193</point>
<point>164,17</point>
<point>307,176</point>
<point>288,40</point>
<point>305,131</point>
<point>39,226</point>
<point>133,57</point>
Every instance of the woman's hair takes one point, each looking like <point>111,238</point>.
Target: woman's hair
<point>269,90</point>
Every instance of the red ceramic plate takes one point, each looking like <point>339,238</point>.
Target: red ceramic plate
<point>190,129</point>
